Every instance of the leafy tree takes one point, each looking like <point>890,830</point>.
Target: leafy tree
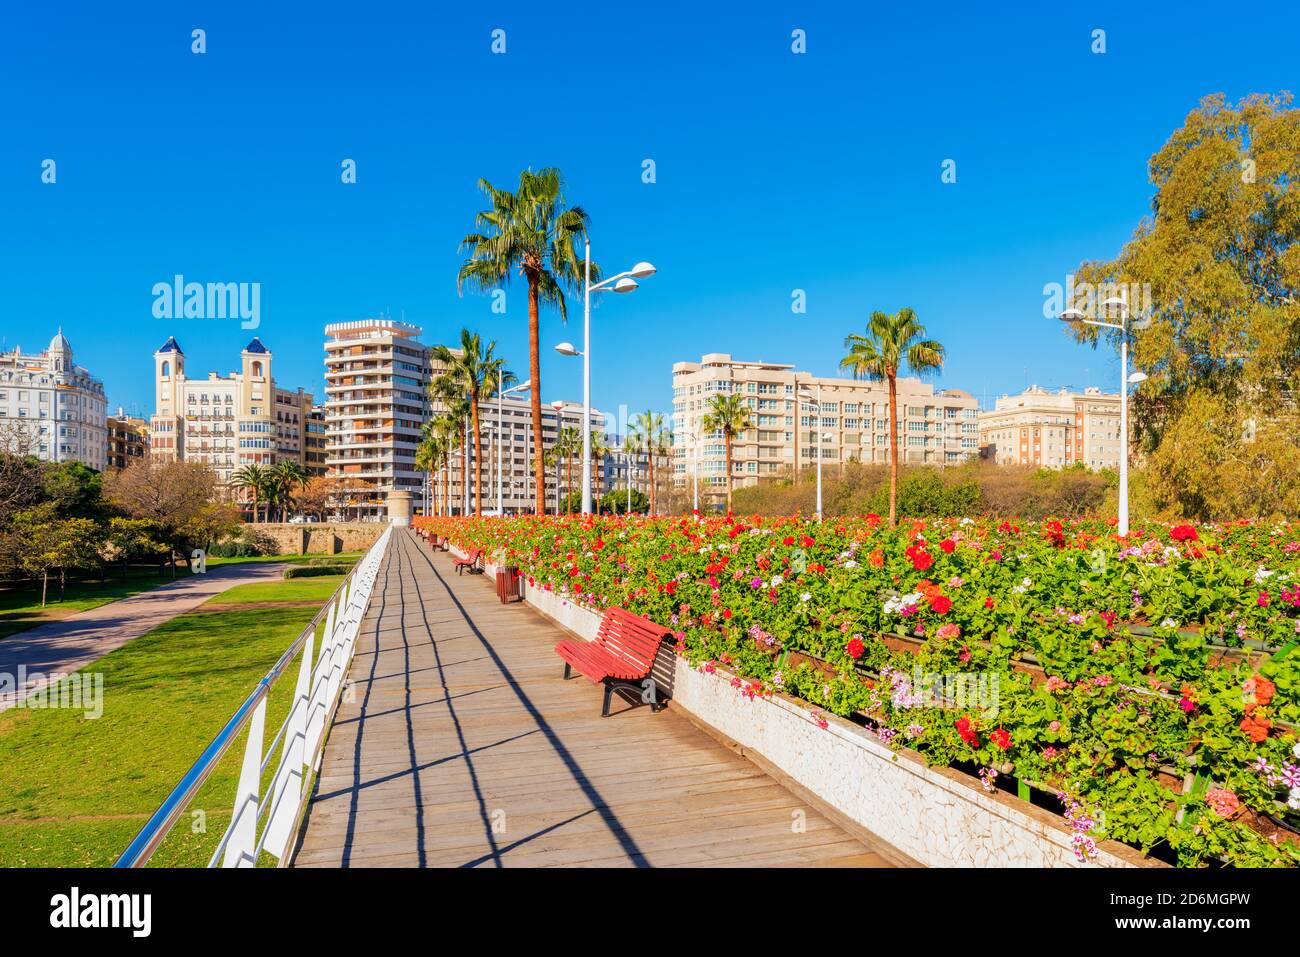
<point>646,437</point>
<point>890,345</point>
<point>180,498</point>
<point>615,501</point>
<point>132,536</point>
<point>75,489</point>
<point>48,543</point>
<point>284,482</point>
<point>1216,272</point>
<point>531,231</point>
<point>729,415</point>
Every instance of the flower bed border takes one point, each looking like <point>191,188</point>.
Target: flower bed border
<point>947,819</point>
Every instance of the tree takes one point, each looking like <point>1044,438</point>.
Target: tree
<point>179,497</point>
<point>615,501</point>
<point>1213,277</point>
<point>132,536</point>
<point>253,479</point>
<point>890,345</point>
<point>472,371</point>
<point>286,479</point>
<point>320,494</point>
<point>729,415</point>
<point>531,231</point>
<point>645,436</point>
<point>47,543</point>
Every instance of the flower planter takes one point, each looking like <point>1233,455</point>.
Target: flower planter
<point>936,816</point>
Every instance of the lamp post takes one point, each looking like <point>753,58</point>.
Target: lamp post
<point>1122,327</point>
<point>804,395</point>
<point>623,282</point>
<point>501,393</point>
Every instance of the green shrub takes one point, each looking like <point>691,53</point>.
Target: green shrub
<point>312,571</point>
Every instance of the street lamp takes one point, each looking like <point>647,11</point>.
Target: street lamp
<point>806,396</point>
<point>501,393</point>
<point>622,282</point>
<point>1075,315</point>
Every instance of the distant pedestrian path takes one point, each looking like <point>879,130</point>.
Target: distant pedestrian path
<point>63,646</point>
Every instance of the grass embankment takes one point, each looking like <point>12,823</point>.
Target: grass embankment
<point>74,791</point>
<point>20,608</point>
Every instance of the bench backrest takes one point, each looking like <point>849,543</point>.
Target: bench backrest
<point>630,637</point>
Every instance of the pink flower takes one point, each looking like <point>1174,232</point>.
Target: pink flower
<point>1054,727</point>
<point>1223,802</point>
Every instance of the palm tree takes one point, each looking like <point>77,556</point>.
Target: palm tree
<point>644,435</point>
<point>890,344</point>
<point>254,479</point>
<point>530,230</point>
<point>448,391</point>
<point>286,479</point>
<point>599,449</point>
<point>568,442</point>
<point>472,371</point>
<point>552,456</point>
<point>729,415</point>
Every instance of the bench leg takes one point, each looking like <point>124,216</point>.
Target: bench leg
<point>567,671</point>
<point>609,690</point>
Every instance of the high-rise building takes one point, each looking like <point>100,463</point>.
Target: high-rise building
<point>376,400</point>
<point>52,408</point>
<point>227,421</point>
<point>852,424</point>
<point>314,442</point>
<point>128,439</point>
<point>1053,429</point>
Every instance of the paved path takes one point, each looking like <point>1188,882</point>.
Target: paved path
<point>464,747</point>
<point>70,643</point>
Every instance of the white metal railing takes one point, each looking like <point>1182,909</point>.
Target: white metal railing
<point>268,822</point>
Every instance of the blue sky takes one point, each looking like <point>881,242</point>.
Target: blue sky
<point>774,171</point>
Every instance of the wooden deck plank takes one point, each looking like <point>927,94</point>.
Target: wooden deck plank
<point>460,745</point>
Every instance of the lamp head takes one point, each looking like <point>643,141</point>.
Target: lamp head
<point>567,349</point>
<point>1072,315</point>
<point>1137,377</point>
<point>642,269</point>
<point>626,285</point>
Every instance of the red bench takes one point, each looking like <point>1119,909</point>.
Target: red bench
<point>472,561</point>
<point>621,655</point>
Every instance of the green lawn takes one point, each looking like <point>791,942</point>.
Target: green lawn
<point>20,608</point>
<point>74,791</point>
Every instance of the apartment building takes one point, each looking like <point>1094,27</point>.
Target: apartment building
<point>227,421</point>
<point>1053,429</point>
<point>314,442</point>
<point>128,439</point>
<point>851,424</point>
<point>517,452</point>
<point>52,408</point>
<point>377,376</point>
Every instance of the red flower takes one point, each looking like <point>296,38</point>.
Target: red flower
<point>877,558</point>
<point>1000,738</point>
<point>922,560</point>
<point>941,604</point>
<point>966,729</point>
<point>788,540</point>
<point>989,603</point>
<point>948,545</point>
<point>807,542</point>
<point>1184,533</point>
<point>726,613</point>
<point>855,648</point>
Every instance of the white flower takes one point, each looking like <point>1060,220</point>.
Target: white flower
<point>850,564</point>
<point>805,596</point>
<point>967,521</point>
<point>1296,749</point>
<point>1263,573</point>
<point>776,580</point>
<point>1293,799</point>
<point>1169,623</point>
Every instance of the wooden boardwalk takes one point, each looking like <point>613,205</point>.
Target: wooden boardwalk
<point>463,747</point>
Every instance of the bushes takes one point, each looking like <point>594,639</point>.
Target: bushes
<point>250,543</point>
<point>931,492</point>
<point>315,571</point>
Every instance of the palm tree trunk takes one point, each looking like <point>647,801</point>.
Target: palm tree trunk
<point>478,452</point>
<point>464,476</point>
<point>535,376</point>
<point>650,466</point>
<point>568,484</point>
<point>726,436</point>
<point>893,450</point>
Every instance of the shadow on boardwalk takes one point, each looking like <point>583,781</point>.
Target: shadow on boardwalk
<point>462,746</point>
